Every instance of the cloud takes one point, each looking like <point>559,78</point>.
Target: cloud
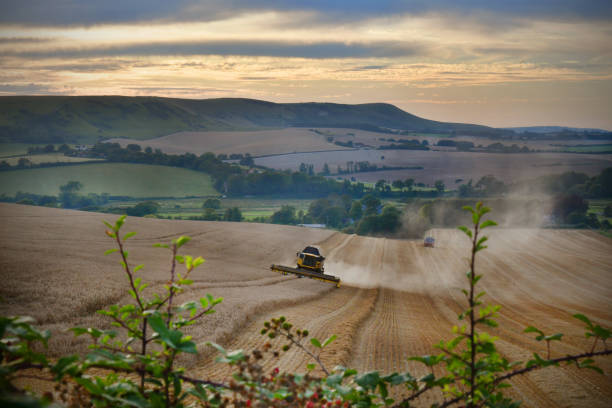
<point>79,12</point>
<point>23,40</point>
<point>242,48</point>
<point>29,89</point>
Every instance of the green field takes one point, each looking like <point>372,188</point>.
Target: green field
<point>250,207</point>
<point>598,148</point>
<point>48,158</point>
<point>135,180</point>
<point>15,149</point>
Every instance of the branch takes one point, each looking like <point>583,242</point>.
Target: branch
<point>305,350</point>
<point>171,294</point>
<point>533,367</point>
<point>128,271</point>
<point>412,397</point>
<point>556,360</point>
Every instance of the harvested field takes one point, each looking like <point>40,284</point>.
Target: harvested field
<point>397,299</point>
<point>445,166</point>
<point>260,142</point>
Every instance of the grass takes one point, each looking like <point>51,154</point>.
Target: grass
<point>597,206</point>
<point>15,149</point>
<point>49,158</point>
<point>135,180</point>
<point>250,207</point>
<point>600,148</point>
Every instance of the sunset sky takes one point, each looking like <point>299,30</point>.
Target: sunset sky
<point>508,63</point>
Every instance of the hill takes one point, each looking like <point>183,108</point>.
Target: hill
<point>86,119</point>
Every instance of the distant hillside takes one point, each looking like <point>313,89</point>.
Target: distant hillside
<point>86,119</point>
<point>554,129</point>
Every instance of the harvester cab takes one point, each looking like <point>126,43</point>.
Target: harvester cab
<point>310,258</point>
<point>309,265</point>
<point>429,242</point>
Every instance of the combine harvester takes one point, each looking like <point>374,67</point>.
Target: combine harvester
<point>309,265</point>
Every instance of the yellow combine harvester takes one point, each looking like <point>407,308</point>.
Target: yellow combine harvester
<point>310,265</point>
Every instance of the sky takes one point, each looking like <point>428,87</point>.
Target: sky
<point>497,63</point>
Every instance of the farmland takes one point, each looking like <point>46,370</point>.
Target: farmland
<point>136,180</point>
<point>397,299</point>
<point>445,166</point>
<point>260,142</point>
<point>250,207</point>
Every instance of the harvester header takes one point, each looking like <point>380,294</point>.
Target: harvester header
<point>310,265</point>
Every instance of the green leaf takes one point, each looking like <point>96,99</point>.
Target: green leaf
<point>182,240</point>
<point>204,302</point>
<point>161,246</point>
<point>482,241</point>
<point>315,342</point>
<point>172,338</point>
<point>531,329</point>
<point>108,224</point>
<point>488,223</point>
<point>465,229</point>
<point>129,235</point>
<point>329,340</point>
<point>139,267</point>
<point>602,333</point>
<point>553,337</point>
<point>180,259</point>
<point>369,381</point>
<point>311,366</point>
<point>119,222</point>
<point>110,251</point>
<point>584,319</point>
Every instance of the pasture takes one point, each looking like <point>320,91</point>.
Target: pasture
<point>118,179</point>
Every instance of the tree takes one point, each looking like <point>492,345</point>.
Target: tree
<point>607,210</point>
<point>333,216</point>
<point>439,185</point>
<point>132,147</point>
<point>49,148</point>
<point>210,215</point>
<point>489,185</point>
<point>68,194</point>
<point>142,209</point>
<point>148,150</point>
<point>356,211</point>
<point>212,203</point>
<point>23,162</point>
<point>564,205</point>
<point>466,190</point>
<point>390,219</point>
<point>371,204</point>
<point>380,185</point>
<point>286,215</point>
<point>398,184</point>
<point>232,214</point>
<point>247,160</point>
<point>409,183</point>
<point>326,171</point>
<point>64,148</point>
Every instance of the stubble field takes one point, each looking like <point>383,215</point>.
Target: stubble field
<point>397,299</point>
